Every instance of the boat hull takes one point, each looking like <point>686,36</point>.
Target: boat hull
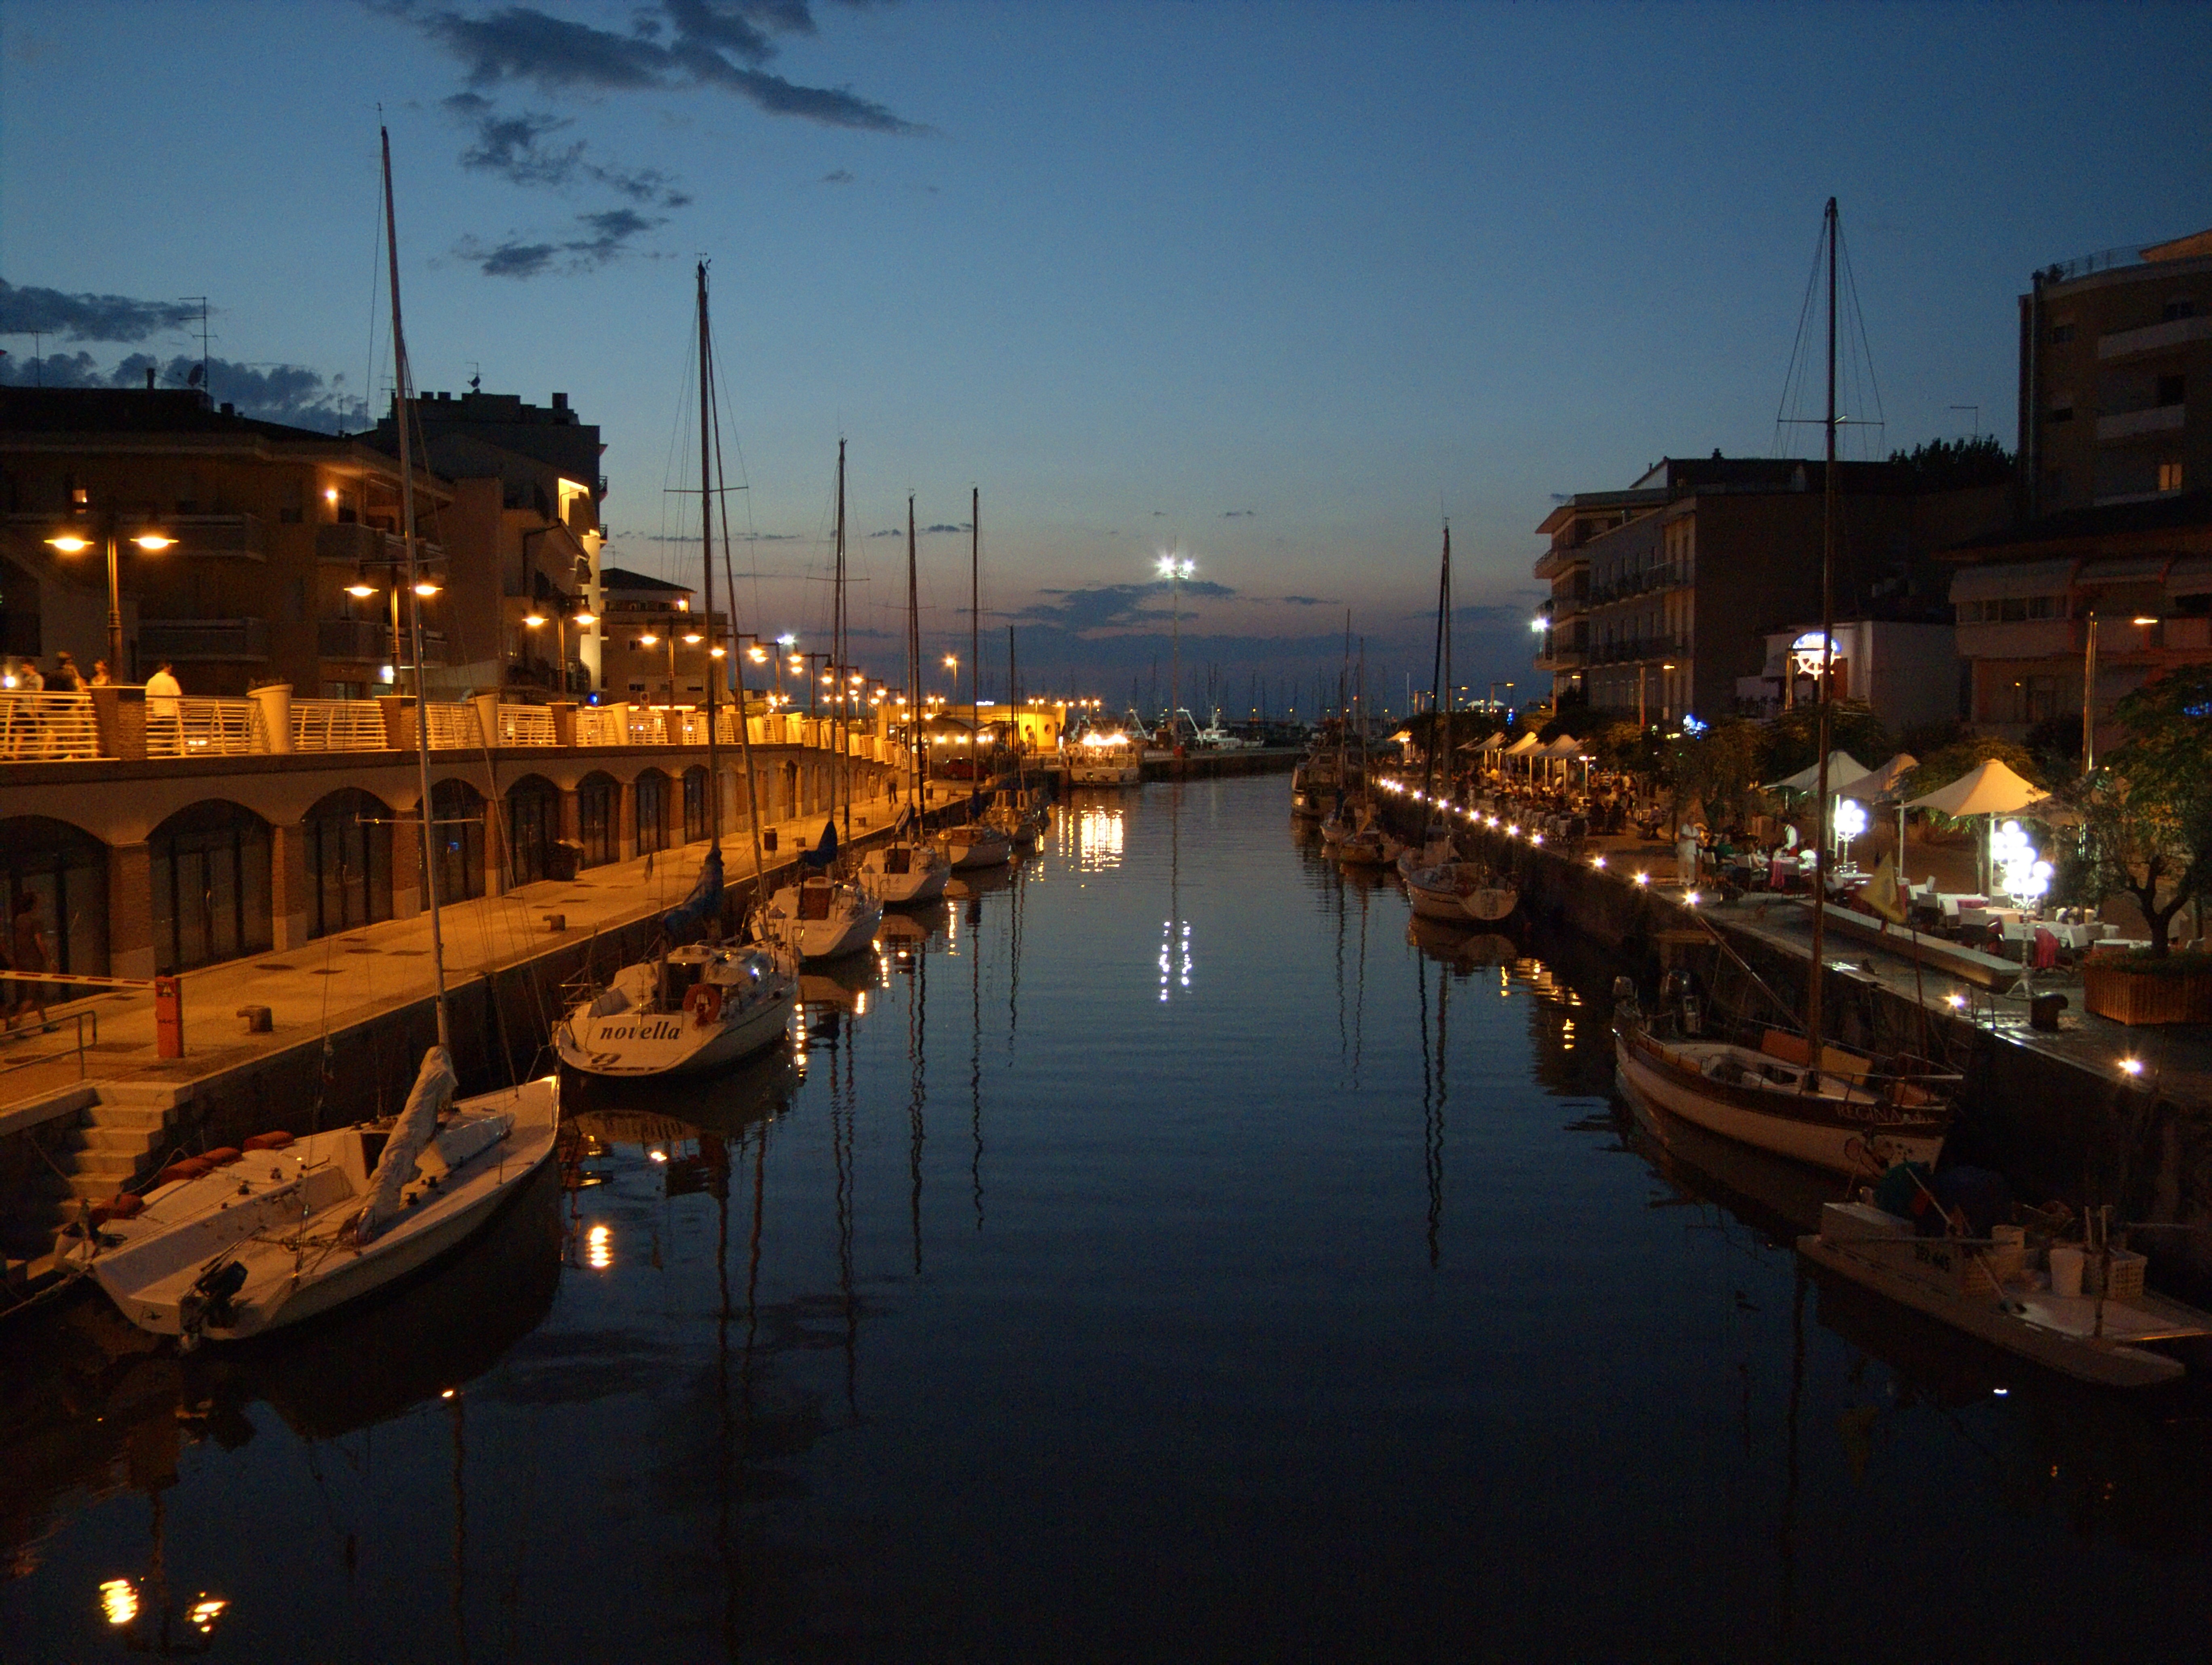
<point>995,851</point>
<point>2108,1363</point>
<point>628,1044</point>
<point>1843,1138</point>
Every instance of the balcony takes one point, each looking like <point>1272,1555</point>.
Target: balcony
<point>2135,424</point>
<point>188,639</point>
<point>366,639</point>
<point>232,537</point>
<point>1556,659</point>
<point>1640,648</point>
<point>348,543</point>
<point>2154,337</point>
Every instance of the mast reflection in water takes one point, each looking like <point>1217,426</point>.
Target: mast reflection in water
<point>1328,1307</point>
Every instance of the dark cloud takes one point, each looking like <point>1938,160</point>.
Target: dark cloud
<point>288,393</point>
<point>889,532</point>
<point>516,147</point>
<point>842,176</point>
<point>29,310</point>
<point>1306,600</point>
<point>942,526</point>
<point>606,236</point>
<point>1111,606</point>
<point>1240,514</point>
<point>719,44</point>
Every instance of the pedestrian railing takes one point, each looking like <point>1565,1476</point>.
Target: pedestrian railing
<point>47,728</point>
<point>123,723</point>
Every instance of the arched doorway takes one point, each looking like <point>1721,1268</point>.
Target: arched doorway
<point>348,838</point>
<point>598,818</point>
<point>533,827</point>
<point>64,869</point>
<point>695,812</point>
<point>652,811</point>
<point>210,886</point>
<point>457,835</point>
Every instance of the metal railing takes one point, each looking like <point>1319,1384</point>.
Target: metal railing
<point>525,725</point>
<point>47,727</point>
<point>338,725</point>
<point>453,727</point>
<point>201,727</point>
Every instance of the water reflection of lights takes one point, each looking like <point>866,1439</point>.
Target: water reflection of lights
<point>656,1156</point>
<point>1097,833</point>
<point>599,1248</point>
<point>118,1600</point>
<point>203,1613</point>
<point>1175,956</point>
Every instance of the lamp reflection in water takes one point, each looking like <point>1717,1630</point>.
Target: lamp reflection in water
<point>599,1248</point>
<point>118,1600</point>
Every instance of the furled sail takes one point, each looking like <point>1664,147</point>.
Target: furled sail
<point>702,906</point>
<point>435,1086</point>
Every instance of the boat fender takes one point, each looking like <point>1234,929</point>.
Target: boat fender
<point>223,1155</point>
<point>123,1205</point>
<point>704,1001</point>
<point>276,1140</point>
<point>191,1168</point>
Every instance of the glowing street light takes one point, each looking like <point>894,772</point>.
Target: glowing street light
<point>149,541</point>
<point>1175,569</point>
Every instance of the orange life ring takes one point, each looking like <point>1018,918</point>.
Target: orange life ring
<point>704,1002</point>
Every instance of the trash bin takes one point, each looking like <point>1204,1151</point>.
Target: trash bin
<point>565,860</point>
<point>2043,1010</point>
<point>767,839</point>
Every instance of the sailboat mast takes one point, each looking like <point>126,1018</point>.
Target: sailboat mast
<point>707,574</point>
<point>975,627</point>
<point>914,733</point>
<point>1448,701</point>
<point>1823,726</point>
<point>399,413</point>
<point>1437,680</point>
<point>843,687</point>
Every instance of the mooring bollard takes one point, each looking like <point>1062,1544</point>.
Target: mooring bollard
<point>168,1018</point>
<point>258,1021</point>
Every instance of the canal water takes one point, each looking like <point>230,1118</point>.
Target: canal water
<point>1158,1253</point>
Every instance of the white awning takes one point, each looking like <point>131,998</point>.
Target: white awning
<point>1988,789</point>
<point>2135,569</point>
<point>2010,579</point>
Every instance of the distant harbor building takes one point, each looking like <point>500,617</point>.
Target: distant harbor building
<point>1906,670</point>
<point>1663,595</point>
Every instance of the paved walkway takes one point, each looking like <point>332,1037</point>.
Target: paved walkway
<point>333,982</point>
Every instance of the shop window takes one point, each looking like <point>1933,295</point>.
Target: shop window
<point>210,870</point>
<point>347,838</point>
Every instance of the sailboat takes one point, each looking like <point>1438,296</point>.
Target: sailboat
<point>976,844</point>
<point>822,915</point>
<point>240,1241</point>
<point>1794,1093</point>
<point>1018,813</point>
<point>910,869</point>
<point>700,1005</point>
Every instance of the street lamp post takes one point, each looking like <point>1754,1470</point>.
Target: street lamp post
<point>1175,569</point>
<point>1494,686</point>
<point>1640,669</point>
<point>76,543</point>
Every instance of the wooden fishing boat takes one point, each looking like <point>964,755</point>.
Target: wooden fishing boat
<point>1985,1288</point>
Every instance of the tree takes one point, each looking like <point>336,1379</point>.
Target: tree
<point>1946,764</point>
<point>1718,768</point>
<point>1950,464</point>
<point>1793,738</point>
<point>2147,814</point>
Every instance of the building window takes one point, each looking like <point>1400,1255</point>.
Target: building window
<point>533,827</point>
<point>596,820</point>
<point>2169,477</point>
<point>66,869</point>
<point>2061,334</point>
<point>2173,390</point>
<point>348,849</point>
<point>210,886</point>
<point>694,805</point>
<point>2038,699</point>
<point>2179,309</point>
<point>2061,413</point>
<point>651,792</point>
<point>457,834</point>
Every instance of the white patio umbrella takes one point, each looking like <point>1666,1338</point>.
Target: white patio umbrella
<point>1886,786</point>
<point>1989,790</point>
<point>1843,770</point>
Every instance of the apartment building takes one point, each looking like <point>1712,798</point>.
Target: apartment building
<point>525,495</point>
<point>267,526</point>
<point>2112,348</point>
<point>1663,594</point>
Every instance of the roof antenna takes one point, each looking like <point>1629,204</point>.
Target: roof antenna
<point>476,376</point>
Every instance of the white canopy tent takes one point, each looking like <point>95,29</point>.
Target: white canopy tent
<point>1843,770</point>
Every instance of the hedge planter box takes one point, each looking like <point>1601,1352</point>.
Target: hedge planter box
<point>2126,994</point>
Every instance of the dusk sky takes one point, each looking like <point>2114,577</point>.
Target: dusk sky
<point>1278,285</point>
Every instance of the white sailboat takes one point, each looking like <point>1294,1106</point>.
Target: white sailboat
<point>1793,1095</point>
<point>909,870</point>
<point>821,915</point>
<point>699,1006</point>
<point>238,1242</point>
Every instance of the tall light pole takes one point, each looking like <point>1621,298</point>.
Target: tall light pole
<point>1640,669</point>
<point>76,543</point>
<point>1175,569</point>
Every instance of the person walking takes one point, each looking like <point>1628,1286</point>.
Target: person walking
<point>27,947</point>
<point>66,679</point>
<point>101,677</point>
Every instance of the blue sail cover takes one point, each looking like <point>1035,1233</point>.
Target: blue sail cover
<point>704,904</point>
<point>824,852</point>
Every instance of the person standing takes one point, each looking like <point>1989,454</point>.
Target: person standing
<point>27,947</point>
<point>66,678</point>
<point>101,677</point>
<point>163,693</point>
